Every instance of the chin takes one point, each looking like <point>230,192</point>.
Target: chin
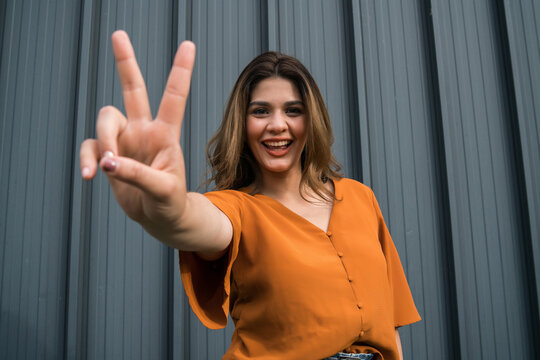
<point>278,168</point>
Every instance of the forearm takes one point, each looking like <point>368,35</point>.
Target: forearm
<point>201,228</point>
<point>398,343</point>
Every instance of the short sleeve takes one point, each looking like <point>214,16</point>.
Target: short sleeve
<point>405,311</point>
<point>208,283</point>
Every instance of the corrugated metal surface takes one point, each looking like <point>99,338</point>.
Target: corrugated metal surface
<point>523,31</point>
<point>37,102</point>
<point>402,160</point>
<point>434,104</point>
<point>486,211</point>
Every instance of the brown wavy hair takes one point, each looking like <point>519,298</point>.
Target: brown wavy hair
<point>232,163</point>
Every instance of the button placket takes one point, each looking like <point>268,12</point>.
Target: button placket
<point>350,278</point>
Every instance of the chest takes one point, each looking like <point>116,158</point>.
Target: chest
<point>285,253</point>
<point>316,213</point>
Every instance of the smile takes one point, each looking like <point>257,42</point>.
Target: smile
<point>277,145</point>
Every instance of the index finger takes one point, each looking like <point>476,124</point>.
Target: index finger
<point>133,86</point>
<point>173,103</point>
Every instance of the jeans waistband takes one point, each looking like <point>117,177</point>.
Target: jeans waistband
<point>345,356</point>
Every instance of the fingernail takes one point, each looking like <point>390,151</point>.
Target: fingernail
<point>108,153</point>
<point>85,172</point>
<point>108,164</point>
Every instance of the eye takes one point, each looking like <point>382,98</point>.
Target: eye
<point>294,111</point>
<point>259,111</point>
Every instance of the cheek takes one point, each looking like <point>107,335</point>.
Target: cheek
<point>252,131</point>
<point>301,129</point>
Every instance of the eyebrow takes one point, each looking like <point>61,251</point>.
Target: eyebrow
<point>264,103</point>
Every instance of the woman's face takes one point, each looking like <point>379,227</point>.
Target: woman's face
<point>276,126</point>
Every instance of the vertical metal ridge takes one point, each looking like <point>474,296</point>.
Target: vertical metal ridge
<point>444,66</point>
<point>441,173</point>
<point>476,182</point>
<point>273,25</point>
<point>8,132</point>
<point>25,52</point>
<point>364,173</point>
<point>357,109</point>
<point>75,333</point>
<point>35,209</point>
<point>518,73</point>
<point>411,182</point>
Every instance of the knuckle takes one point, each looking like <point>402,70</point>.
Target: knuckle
<point>87,154</point>
<point>132,85</point>
<point>87,147</point>
<point>107,111</point>
<point>108,122</point>
<point>176,92</point>
<point>136,171</point>
<point>169,188</point>
<point>86,144</point>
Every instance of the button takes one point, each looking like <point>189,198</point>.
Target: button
<point>359,305</point>
<point>340,254</point>
<point>350,279</point>
<point>329,233</point>
<point>362,333</point>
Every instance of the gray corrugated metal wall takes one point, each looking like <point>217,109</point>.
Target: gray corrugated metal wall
<point>434,104</point>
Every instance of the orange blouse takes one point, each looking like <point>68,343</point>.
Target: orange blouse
<point>297,292</point>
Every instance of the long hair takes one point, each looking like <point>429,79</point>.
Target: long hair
<point>232,163</point>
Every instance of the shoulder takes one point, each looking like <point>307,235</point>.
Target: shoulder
<point>230,202</point>
<point>237,199</point>
<point>232,195</point>
<point>351,187</point>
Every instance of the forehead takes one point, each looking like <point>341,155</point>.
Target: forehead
<point>275,89</point>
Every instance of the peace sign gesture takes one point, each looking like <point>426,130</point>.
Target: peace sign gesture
<point>140,155</point>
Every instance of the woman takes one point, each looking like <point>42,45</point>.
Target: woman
<point>300,257</point>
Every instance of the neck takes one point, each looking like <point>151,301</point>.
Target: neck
<point>280,185</point>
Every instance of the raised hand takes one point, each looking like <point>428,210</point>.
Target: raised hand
<point>140,155</point>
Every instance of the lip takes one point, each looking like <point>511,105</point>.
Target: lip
<point>277,143</point>
<point>276,139</point>
<point>277,152</point>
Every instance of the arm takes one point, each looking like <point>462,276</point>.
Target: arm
<point>398,342</point>
<point>143,160</point>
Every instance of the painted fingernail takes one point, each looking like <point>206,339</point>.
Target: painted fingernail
<point>109,164</point>
<point>85,172</point>
<point>108,153</point>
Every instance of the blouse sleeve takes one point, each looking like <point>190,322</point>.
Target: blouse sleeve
<point>405,311</point>
<point>207,283</point>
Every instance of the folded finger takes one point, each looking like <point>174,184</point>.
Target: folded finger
<point>176,91</point>
<point>133,86</point>
<point>88,158</point>
<point>154,182</point>
<point>110,123</point>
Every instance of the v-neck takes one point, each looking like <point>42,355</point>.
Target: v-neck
<point>303,219</point>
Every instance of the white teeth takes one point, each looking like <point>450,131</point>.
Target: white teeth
<point>277,143</point>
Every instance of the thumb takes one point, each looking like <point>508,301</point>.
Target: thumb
<point>154,183</point>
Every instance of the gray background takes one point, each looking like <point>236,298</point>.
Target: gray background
<point>434,105</point>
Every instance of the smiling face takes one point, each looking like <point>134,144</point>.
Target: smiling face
<point>276,126</point>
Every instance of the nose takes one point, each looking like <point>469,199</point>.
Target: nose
<point>277,122</point>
